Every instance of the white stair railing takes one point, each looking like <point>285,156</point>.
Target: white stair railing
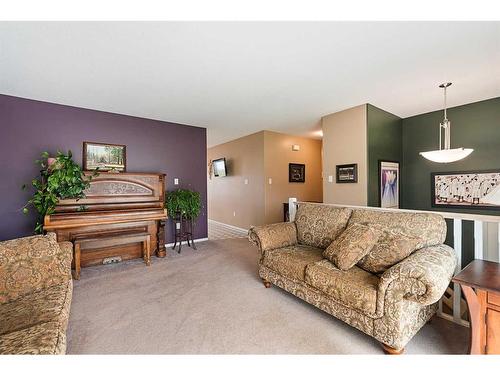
<point>486,246</point>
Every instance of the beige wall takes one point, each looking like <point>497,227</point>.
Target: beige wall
<point>345,142</point>
<point>277,155</point>
<point>230,200</point>
<point>257,158</point>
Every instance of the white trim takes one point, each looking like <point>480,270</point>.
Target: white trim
<point>457,245</point>
<point>498,242</point>
<point>447,215</point>
<point>449,317</point>
<point>229,226</point>
<point>478,239</point>
<point>196,240</point>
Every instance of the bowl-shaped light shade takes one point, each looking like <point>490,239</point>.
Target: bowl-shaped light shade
<point>447,156</point>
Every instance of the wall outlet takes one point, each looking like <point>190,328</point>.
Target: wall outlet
<point>177,225</point>
<point>246,181</point>
<point>234,213</point>
<point>330,178</point>
<point>270,180</point>
<point>176,181</point>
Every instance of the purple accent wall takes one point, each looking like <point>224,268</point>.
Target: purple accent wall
<point>28,127</point>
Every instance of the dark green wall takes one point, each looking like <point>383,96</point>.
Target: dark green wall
<point>384,143</point>
<point>475,125</point>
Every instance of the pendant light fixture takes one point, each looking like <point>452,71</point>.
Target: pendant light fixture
<point>446,154</point>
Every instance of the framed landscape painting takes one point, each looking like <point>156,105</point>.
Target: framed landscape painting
<point>468,189</point>
<point>106,157</point>
<point>388,178</point>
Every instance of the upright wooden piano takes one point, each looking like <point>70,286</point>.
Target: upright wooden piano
<point>115,204</point>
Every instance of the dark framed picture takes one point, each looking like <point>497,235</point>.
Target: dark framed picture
<point>106,157</point>
<point>296,172</point>
<point>388,182</point>
<point>347,173</point>
<point>467,189</point>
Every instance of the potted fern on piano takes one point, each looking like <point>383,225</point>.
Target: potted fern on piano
<point>60,178</point>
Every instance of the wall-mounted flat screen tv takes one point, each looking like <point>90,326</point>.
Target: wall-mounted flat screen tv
<point>219,167</point>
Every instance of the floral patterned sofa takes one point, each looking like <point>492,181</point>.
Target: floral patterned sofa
<point>390,304</point>
<point>35,295</point>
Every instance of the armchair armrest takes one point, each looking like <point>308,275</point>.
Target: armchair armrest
<point>33,263</point>
<point>422,277</point>
<point>273,236</point>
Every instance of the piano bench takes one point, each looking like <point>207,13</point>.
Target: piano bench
<point>89,243</point>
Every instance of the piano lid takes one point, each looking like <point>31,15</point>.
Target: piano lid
<point>119,191</point>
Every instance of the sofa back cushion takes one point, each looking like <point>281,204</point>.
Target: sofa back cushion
<point>390,249</point>
<point>428,228</point>
<point>318,225</point>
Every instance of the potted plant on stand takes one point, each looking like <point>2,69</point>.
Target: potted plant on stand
<point>183,207</point>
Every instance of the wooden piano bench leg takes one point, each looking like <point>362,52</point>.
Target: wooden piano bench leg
<point>392,351</point>
<point>146,248</point>
<point>267,284</point>
<point>76,258</point>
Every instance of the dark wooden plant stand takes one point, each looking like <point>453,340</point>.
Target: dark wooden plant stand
<point>183,231</point>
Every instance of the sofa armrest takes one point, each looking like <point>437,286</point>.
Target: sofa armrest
<point>273,236</point>
<point>422,277</point>
<point>33,263</point>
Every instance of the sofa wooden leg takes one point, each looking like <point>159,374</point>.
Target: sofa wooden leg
<point>267,284</point>
<point>392,351</point>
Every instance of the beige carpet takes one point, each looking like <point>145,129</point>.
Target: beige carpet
<point>211,301</point>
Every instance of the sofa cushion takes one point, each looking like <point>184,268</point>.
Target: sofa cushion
<point>391,249</point>
<point>44,338</point>
<point>354,288</point>
<point>291,261</point>
<point>318,225</point>
<point>51,304</point>
<point>429,228</point>
<point>352,245</point>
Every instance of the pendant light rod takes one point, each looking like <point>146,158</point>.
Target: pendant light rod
<point>446,124</point>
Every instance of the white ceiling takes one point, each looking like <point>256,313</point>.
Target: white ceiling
<point>239,78</point>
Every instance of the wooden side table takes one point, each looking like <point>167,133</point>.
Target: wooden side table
<point>480,282</point>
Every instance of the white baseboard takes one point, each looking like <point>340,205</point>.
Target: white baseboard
<point>229,226</point>
<point>196,240</point>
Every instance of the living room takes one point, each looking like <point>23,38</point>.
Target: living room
<point>199,188</point>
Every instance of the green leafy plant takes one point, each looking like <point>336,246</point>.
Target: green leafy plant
<point>185,202</point>
<point>60,178</point>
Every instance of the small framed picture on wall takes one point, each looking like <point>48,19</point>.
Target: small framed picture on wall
<point>388,182</point>
<point>347,173</point>
<point>296,172</point>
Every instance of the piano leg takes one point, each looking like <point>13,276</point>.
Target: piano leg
<point>146,248</point>
<point>77,250</point>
